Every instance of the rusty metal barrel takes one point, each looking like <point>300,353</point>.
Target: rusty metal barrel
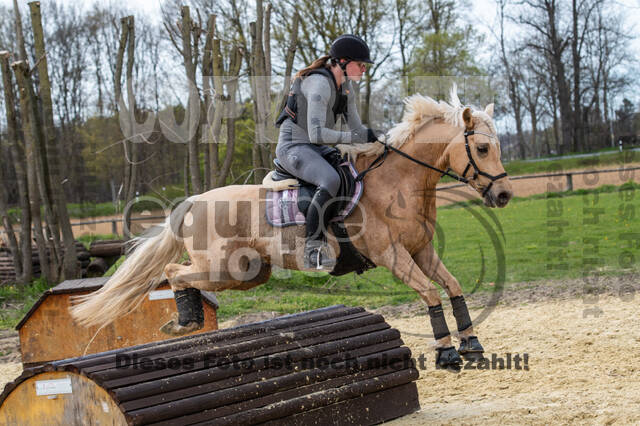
<point>336,365</point>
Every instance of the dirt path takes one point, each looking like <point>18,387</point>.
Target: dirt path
<point>580,369</point>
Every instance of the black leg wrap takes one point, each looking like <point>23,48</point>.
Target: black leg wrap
<point>438,323</point>
<point>189,305</point>
<point>461,312</point>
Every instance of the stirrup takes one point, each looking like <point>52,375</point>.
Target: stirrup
<point>320,261</point>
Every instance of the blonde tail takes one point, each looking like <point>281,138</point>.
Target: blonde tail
<point>138,275</point>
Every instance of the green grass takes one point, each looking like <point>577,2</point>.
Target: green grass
<point>515,168</point>
<point>16,300</point>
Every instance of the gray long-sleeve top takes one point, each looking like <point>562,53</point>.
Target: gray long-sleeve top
<point>320,95</point>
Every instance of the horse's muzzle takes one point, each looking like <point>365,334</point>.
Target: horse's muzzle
<point>497,197</point>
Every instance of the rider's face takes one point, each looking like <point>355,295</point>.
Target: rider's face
<point>355,70</point>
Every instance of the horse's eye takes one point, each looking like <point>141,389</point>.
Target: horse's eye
<point>483,149</point>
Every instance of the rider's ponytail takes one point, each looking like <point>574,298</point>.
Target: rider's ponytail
<point>318,63</point>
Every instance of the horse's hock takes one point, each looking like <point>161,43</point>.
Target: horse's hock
<point>336,365</point>
<point>48,332</point>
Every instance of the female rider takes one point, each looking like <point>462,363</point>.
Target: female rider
<point>319,93</point>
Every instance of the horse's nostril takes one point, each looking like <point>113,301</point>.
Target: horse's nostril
<point>504,196</point>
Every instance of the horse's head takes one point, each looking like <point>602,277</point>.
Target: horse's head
<point>475,155</point>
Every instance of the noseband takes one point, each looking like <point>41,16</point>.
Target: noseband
<point>472,163</point>
<point>476,171</point>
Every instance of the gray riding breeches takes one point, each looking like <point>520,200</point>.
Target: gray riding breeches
<point>305,159</point>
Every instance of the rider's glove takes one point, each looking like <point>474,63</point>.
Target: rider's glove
<point>374,135</point>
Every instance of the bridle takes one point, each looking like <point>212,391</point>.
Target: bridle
<point>377,162</point>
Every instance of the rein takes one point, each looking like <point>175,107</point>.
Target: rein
<point>377,162</point>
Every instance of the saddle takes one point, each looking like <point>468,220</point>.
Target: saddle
<point>288,199</point>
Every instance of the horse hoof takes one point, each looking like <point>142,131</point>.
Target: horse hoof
<point>471,349</point>
<point>448,359</point>
<point>173,328</point>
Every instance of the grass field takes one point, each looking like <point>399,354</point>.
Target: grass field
<point>543,237</point>
<point>613,158</point>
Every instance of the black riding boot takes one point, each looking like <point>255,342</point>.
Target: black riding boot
<point>316,251</point>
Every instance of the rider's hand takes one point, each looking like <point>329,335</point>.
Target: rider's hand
<point>374,135</point>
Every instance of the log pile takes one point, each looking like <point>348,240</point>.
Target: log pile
<point>7,268</point>
<point>337,365</point>
<point>105,253</point>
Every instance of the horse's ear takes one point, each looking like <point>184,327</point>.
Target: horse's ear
<point>466,116</point>
<point>489,110</point>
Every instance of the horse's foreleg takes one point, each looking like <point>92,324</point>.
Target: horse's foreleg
<point>429,262</point>
<point>402,265</point>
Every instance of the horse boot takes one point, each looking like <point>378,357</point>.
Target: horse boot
<point>190,315</point>
<point>316,250</point>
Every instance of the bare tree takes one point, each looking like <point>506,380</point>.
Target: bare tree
<point>11,240</point>
<point>24,271</point>
<point>191,31</point>
<point>58,198</point>
<point>31,131</point>
<point>513,78</point>
<point>260,75</point>
<point>551,38</point>
<point>218,105</point>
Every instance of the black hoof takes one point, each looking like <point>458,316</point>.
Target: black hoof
<point>448,359</point>
<point>471,349</point>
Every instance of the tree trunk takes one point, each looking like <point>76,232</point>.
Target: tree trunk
<point>290,56</point>
<point>18,158</point>
<point>189,55</point>
<point>27,108</point>
<point>210,150</point>
<point>8,226</point>
<point>22,51</point>
<point>58,198</point>
<point>232,87</point>
<point>534,129</point>
<point>261,89</point>
<point>575,55</point>
<point>134,141</point>
<point>117,86</point>
<point>217,71</point>
<point>185,171</point>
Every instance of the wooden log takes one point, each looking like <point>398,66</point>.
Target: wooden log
<point>107,248</point>
<point>100,265</point>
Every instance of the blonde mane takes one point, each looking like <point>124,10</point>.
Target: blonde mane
<point>418,111</point>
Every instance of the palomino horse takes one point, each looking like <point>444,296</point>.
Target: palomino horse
<point>231,246</point>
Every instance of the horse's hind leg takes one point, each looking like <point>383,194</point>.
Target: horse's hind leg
<point>430,263</point>
<point>186,282</point>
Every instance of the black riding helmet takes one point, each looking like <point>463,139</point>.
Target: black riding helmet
<point>350,47</point>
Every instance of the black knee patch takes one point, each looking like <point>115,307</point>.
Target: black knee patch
<point>189,305</point>
<point>461,313</point>
<point>438,322</point>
